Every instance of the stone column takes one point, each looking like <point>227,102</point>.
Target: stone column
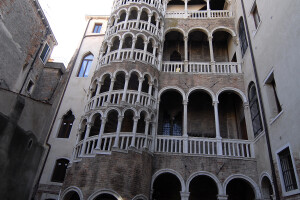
<point>141,79</point>
<point>112,82</point>
<point>126,20</point>
<point>186,60</point>
<point>222,197</point>
<point>208,8</point>
<point>185,135</point>
<point>145,50</point>
<point>147,121</point>
<point>103,122</point>
<point>109,44</point>
<point>135,121</point>
<point>138,19</point>
<point>211,49</point>
<point>149,21</point>
<point>120,47</point>
<point>248,120</point>
<point>159,60</point>
<point>217,124</point>
<point>154,128</point>
<point>125,89</point>
<point>99,84</point>
<point>157,25</point>
<point>149,93</point>
<point>116,144</point>
<point>184,195</point>
<point>132,47</point>
<point>186,8</point>
<point>87,133</point>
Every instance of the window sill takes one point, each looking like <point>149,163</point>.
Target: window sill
<point>290,193</point>
<point>276,117</point>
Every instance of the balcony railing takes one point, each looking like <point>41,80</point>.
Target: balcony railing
<point>134,24</point>
<point>212,14</point>
<point>202,67</point>
<point>116,98</point>
<point>153,3</point>
<point>128,54</point>
<point>167,145</point>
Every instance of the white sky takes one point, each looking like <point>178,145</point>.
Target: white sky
<point>67,21</point>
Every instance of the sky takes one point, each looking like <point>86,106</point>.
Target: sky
<point>67,21</point>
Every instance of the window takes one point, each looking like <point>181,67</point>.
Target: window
<point>97,28</point>
<point>85,66</point>
<point>255,15</point>
<point>273,95</point>
<point>30,86</point>
<point>287,171</point>
<point>242,37</point>
<point>45,53</point>
<point>66,125</point>
<point>254,110</point>
<point>60,170</point>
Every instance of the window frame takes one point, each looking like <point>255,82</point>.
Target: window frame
<point>55,170</point>
<point>243,37</point>
<point>85,66</point>
<point>45,58</point>
<point>96,27</point>
<point>69,127</point>
<point>252,102</point>
<point>283,187</point>
<point>30,90</point>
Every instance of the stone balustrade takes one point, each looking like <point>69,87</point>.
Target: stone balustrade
<point>207,14</point>
<point>154,3</point>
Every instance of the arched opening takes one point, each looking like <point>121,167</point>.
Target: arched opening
<point>72,195</point>
<point>153,19</point>
<point>122,17</point>
<point>201,119</point>
<point>139,44</point>
<point>170,114</point>
<point>133,15</point>
<point>84,126</point>
<point>267,189</point>
<point>223,46</point>
<point>145,85</point>
<point>150,46</point>
<point>105,197</point>
<point>173,46</point>
<point>127,44</point>
<point>254,110</point>
<point>59,171</point>
<point>196,5</point>
<point>112,122</point>
<point>238,189</point>
<point>144,16</point>
<point>203,187</point>
<point>198,47</point>
<point>94,91</point>
<point>112,21</point>
<point>165,187</point>
<point>85,66</point>
<point>133,83</point>
<point>141,123</point>
<point>95,129</point>
<point>66,125</point>
<point>231,116</point>
<point>115,44</point>
<point>106,84</point>
<point>175,5</point>
<point>217,4</point>
<point>127,123</point>
<point>120,81</point>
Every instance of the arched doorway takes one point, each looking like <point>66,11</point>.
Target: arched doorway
<point>105,197</point>
<point>266,188</point>
<point>204,188</point>
<point>72,195</point>
<point>238,189</point>
<point>166,187</point>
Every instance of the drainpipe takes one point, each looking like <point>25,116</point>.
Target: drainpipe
<point>56,112</point>
<point>274,178</point>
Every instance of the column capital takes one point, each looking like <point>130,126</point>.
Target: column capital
<point>150,15</point>
<point>215,103</point>
<point>103,119</point>
<point>113,79</point>
<point>246,105</point>
<point>127,77</point>
<point>210,37</point>
<point>89,124</point>
<point>222,197</point>
<point>141,79</point>
<point>120,118</point>
<point>186,37</point>
<point>136,119</point>
<point>185,102</point>
<point>109,43</point>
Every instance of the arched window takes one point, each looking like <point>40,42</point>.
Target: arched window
<point>85,66</point>
<point>66,125</point>
<point>254,109</point>
<point>60,170</point>
<point>242,36</point>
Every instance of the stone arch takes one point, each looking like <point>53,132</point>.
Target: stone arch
<point>147,9</point>
<point>112,19</point>
<point>222,28</point>
<point>132,109</point>
<point>140,197</point>
<point>171,171</point>
<point>137,71</point>
<point>202,29</point>
<point>126,34</point>
<point>93,115</point>
<point>261,178</point>
<point>212,176</point>
<point>149,75</point>
<point>133,7</point>
<point>102,77</point>
<point>208,91</point>
<point>114,37</point>
<point>105,191</point>
<point>117,15</point>
<point>252,183</point>
<point>110,109</point>
<point>118,71</point>
<point>180,30</point>
<point>143,36</point>
<point>143,110</point>
<point>172,88</point>
<point>70,189</point>
<point>235,90</point>
<point>83,122</point>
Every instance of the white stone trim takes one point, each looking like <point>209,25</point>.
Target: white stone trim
<point>140,196</point>
<point>70,189</point>
<point>202,29</point>
<point>206,90</point>
<point>235,90</point>
<point>105,191</point>
<point>161,91</point>
<point>110,109</point>
<point>223,28</point>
